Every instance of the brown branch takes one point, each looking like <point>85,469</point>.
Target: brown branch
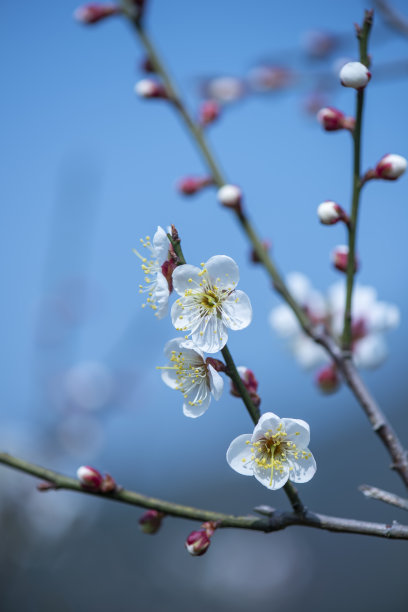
<point>385,496</point>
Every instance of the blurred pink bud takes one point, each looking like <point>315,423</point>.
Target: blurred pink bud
<point>390,167</point>
<point>147,88</point>
<point>197,542</point>
<point>108,484</point>
<point>150,522</point>
<point>209,112</point>
<point>269,78</point>
<point>354,74</point>
<point>329,213</point>
<point>267,245</point>
<point>332,119</point>
<point>191,184</point>
<point>92,13</point>
<point>230,196</point>
<point>147,66</point>
<point>46,486</point>
<point>89,477</point>
<point>340,258</point>
<point>327,379</point>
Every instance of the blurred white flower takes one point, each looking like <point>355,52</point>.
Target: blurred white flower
<point>157,286</point>
<point>189,373</point>
<point>209,302</point>
<point>371,319</point>
<point>276,451</point>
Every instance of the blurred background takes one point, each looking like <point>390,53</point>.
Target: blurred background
<point>88,169</point>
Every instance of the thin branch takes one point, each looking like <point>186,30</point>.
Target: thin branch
<point>275,522</point>
<point>384,496</point>
<point>392,17</point>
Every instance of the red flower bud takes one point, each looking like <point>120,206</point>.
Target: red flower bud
<point>197,542</point>
<point>327,379</point>
<point>89,477</point>
<point>390,167</point>
<point>92,13</point>
<point>150,522</point>
<point>191,184</point>
<point>340,258</point>
<point>147,88</point>
<point>230,196</point>
<point>332,119</point>
<point>209,112</point>
<point>108,484</point>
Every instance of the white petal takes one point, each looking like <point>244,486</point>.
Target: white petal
<point>186,277</point>
<point>169,377</point>
<point>181,345</point>
<point>216,382</point>
<point>308,354</point>
<point>268,421</point>
<point>184,314</point>
<point>383,317</point>
<point>161,296</point>
<point>278,479</point>
<point>299,286</point>
<point>283,321</point>
<point>211,335</point>
<point>197,409</point>
<point>237,310</point>
<point>298,431</point>
<point>239,450</point>
<point>161,245</point>
<point>223,272</point>
<point>370,352</point>
<point>302,469</point>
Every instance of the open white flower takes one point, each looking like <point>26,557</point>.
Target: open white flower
<point>209,302</point>
<point>189,373</point>
<point>275,452</point>
<point>157,286</point>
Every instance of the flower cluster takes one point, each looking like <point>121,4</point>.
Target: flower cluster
<point>371,319</point>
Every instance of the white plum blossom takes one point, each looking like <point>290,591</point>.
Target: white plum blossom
<point>276,451</point>
<point>209,303</point>
<point>189,373</point>
<point>371,319</point>
<point>157,286</point>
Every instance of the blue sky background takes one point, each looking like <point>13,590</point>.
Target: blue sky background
<point>88,169</point>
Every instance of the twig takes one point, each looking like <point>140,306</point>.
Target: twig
<point>384,496</point>
<point>275,522</point>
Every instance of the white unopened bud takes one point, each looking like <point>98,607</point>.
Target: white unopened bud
<point>89,477</point>
<point>390,167</point>
<point>147,88</point>
<point>329,213</point>
<point>354,74</point>
<point>230,196</point>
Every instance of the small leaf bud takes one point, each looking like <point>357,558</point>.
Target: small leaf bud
<point>327,379</point>
<point>92,13</point>
<point>354,74</point>
<point>254,257</point>
<point>108,484</point>
<point>150,522</point>
<point>89,477</point>
<point>230,196</point>
<point>329,213</point>
<point>340,258</point>
<point>390,167</point>
<point>147,88</point>
<point>197,542</point>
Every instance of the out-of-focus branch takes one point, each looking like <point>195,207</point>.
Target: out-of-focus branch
<point>273,522</point>
<point>392,17</point>
<point>384,496</point>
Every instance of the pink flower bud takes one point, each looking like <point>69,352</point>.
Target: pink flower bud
<point>390,167</point>
<point>329,213</point>
<point>92,13</point>
<point>230,196</point>
<point>147,88</point>
<point>354,74</point>
<point>197,542</point>
<point>167,270</point>
<point>250,383</point>
<point>191,184</point>
<point>108,484</point>
<point>209,112</point>
<point>332,119</point>
<point>340,258</point>
<point>89,477</point>
<point>327,379</point>
<point>150,521</point>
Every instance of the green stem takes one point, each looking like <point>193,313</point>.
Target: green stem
<point>362,34</point>
<point>237,380</point>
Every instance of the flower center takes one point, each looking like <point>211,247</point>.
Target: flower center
<point>210,299</point>
<point>189,374</point>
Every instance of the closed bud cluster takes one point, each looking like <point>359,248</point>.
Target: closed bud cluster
<point>250,383</point>
<point>329,213</point>
<point>230,196</point>
<point>91,479</point>
<point>92,13</point>
<point>148,88</point>
<point>327,379</point>
<point>332,120</point>
<point>150,522</point>
<point>209,112</point>
<point>390,167</point>
<point>354,74</point>
<point>340,258</point>
<point>191,184</point>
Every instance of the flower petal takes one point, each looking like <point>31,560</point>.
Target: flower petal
<point>237,310</point>
<point>283,321</point>
<point>160,296</point>
<point>161,245</point>
<point>370,352</point>
<point>196,410</point>
<point>223,272</point>
<point>271,480</point>
<point>302,470</point>
<point>216,382</point>
<point>184,314</point>
<point>186,277</point>
<point>210,335</point>
<point>298,431</point>
<point>268,421</point>
<point>238,451</point>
